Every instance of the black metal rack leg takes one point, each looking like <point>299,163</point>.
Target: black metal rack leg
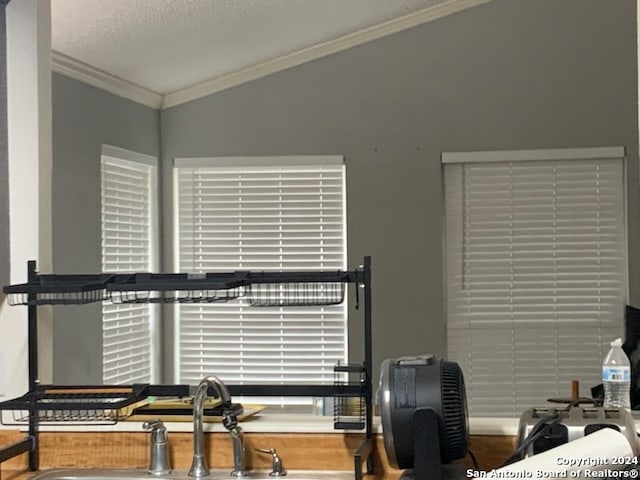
<point>34,461</point>
<point>368,358</point>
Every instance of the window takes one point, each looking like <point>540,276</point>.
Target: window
<point>536,271</point>
<point>266,214</point>
<point>129,244</point>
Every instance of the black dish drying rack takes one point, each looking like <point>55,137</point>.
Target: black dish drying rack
<point>352,390</point>
<point>262,289</point>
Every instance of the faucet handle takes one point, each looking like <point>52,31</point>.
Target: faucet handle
<point>152,425</point>
<point>157,429</point>
<point>277,468</point>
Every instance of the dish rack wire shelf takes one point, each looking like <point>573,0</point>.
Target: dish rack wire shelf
<point>352,389</point>
<point>80,405</point>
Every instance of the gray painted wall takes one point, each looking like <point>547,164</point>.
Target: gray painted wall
<point>511,74</point>
<point>85,118</point>
<point>4,160</point>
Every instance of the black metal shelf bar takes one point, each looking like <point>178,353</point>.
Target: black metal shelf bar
<point>294,277</point>
<point>349,368</point>
<point>295,390</point>
<point>178,281</point>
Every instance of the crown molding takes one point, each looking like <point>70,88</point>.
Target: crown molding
<point>254,72</point>
<point>78,70</point>
<point>98,78</point>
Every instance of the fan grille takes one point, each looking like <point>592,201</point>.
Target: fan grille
<point>454,409</point>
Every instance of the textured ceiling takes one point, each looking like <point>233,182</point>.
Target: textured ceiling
<point>167,45</point>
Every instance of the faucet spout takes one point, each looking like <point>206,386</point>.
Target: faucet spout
<point>199,467</point>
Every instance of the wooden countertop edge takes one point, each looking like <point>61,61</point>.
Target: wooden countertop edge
<point>65,450</point>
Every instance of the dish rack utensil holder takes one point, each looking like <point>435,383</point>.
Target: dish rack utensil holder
<point>349,410</point>
<point>352,390</point>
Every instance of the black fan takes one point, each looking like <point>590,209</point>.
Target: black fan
<point>424,414</point>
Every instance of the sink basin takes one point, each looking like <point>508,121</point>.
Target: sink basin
<point>216,474</point>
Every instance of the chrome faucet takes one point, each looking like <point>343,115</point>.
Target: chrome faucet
<point>159,456</point>
<point>199,466</point>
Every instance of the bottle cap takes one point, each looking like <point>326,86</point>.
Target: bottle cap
<point>617,342</point>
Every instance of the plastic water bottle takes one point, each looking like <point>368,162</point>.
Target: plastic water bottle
<point>616,377</point>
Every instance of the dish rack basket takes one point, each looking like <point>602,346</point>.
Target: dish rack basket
<point>78,404</point>
<point>60,290</point>
<point>283,289</point>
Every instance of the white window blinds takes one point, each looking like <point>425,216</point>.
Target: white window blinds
<point>262,214</point>
<point>536,272</point>
<point>129,244</point>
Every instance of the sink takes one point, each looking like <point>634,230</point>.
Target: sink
<point>216,474</point>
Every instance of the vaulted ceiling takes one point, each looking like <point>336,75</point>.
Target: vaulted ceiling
<point>181,49</point>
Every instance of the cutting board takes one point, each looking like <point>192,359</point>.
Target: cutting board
<point>181,410</point>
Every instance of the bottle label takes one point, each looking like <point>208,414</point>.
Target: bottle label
<point>616,374</point>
